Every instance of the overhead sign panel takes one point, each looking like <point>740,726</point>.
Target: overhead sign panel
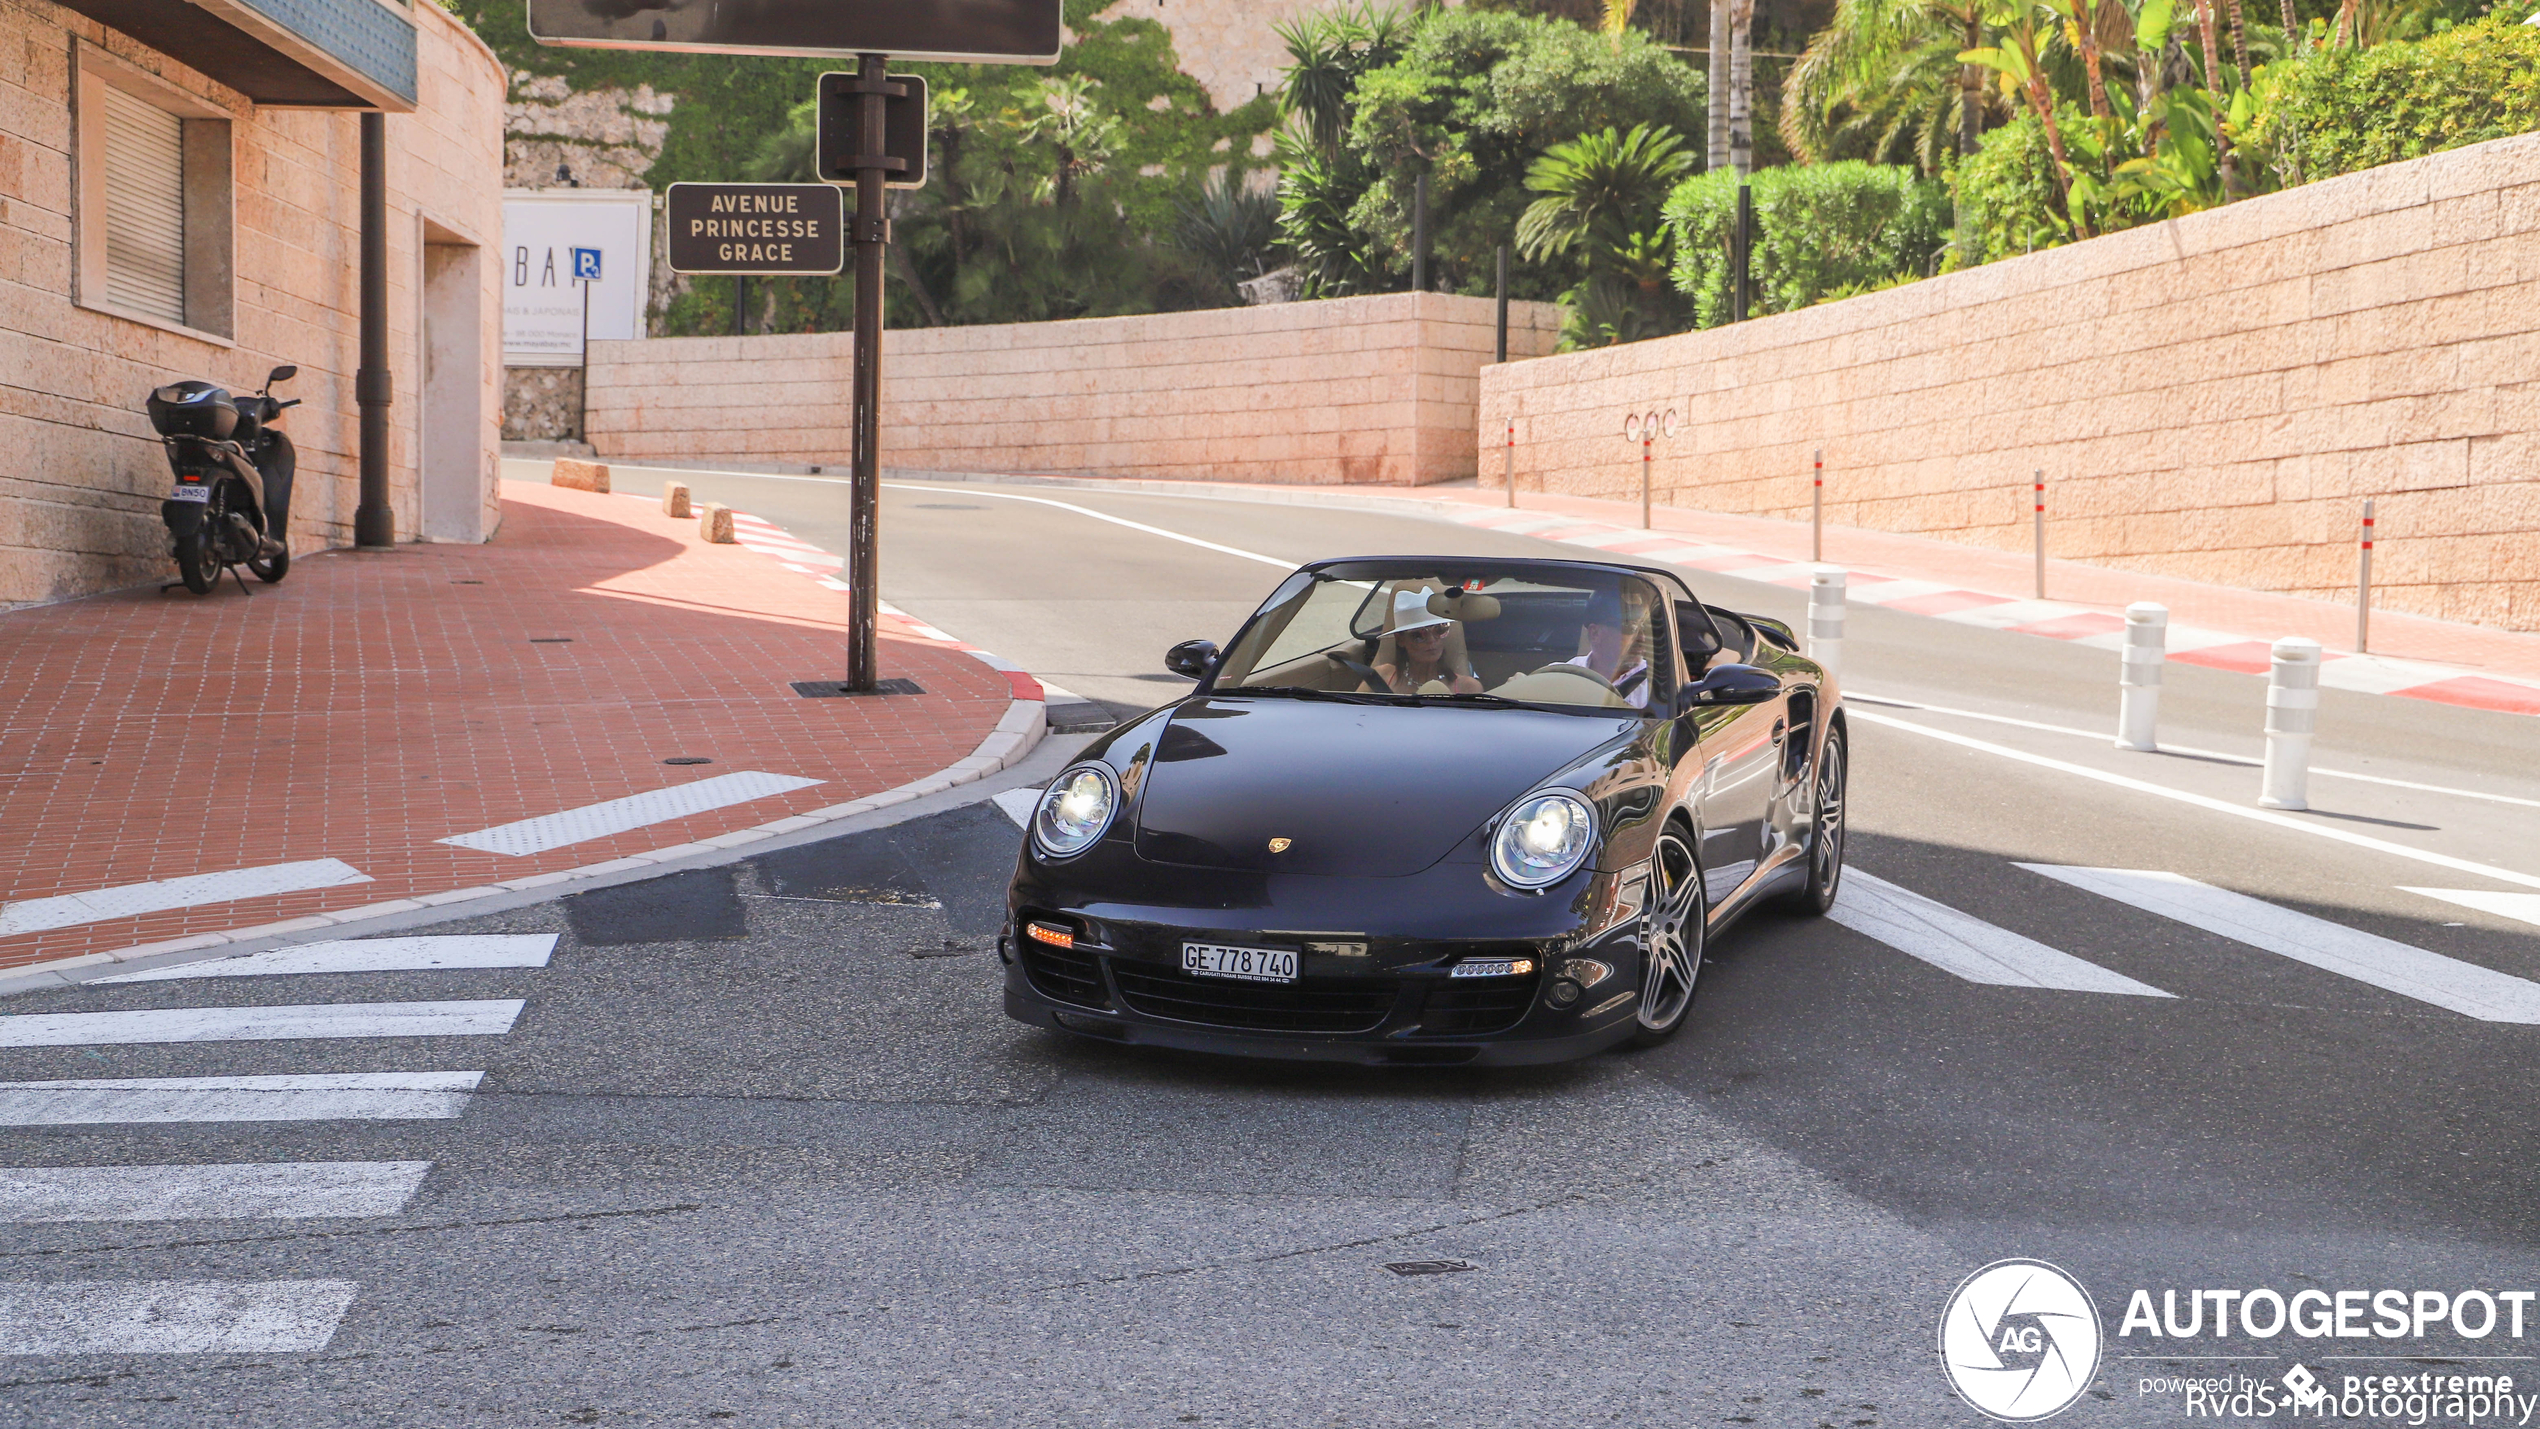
<point>958,31</point>
<point>797,229</point>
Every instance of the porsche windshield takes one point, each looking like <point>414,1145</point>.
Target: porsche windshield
<point>1400,631</point>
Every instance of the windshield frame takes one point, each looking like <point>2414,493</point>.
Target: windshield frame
<point>1668,588</point>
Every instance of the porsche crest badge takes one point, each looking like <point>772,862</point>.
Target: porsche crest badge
<point>1280,845</point>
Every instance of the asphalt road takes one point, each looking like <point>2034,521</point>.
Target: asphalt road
<point>760,1148</point>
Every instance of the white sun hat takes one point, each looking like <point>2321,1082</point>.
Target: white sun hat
<point>1411,611</point>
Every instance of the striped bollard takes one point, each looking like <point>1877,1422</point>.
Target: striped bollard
<point>2293,710</point>
<point>2147,630</point>
<point>1825,616</point>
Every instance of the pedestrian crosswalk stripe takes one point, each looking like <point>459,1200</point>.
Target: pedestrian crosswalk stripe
<point>489,1017</point>
<point>2384,963</point>
<point>617,816</point>
<point>263,1191</point>
<point>373,955</point>
<point>1019,804</point>
<point>68,910</point>
<point>343,1096</point>
<point>2522,907</point>
<point>170,1317</point>
<point>1965,946</point>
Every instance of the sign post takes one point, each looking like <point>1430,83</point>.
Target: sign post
<point>586,271</point>
<point>887,148</point>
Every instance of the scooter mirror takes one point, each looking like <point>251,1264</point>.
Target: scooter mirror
<point>283,373</point>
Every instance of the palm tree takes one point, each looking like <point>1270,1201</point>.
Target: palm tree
<point>1888,71</point>
<point>1742,85</point>
<point>1327,52</point>
<point>1604,193</point>
<point>1716,126</point>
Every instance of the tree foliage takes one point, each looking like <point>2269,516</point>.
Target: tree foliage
<point>1602,195</point>
<point>1821,231</point>
<point>2334,111</point>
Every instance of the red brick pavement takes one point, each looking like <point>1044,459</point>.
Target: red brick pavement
<point>375,702</point>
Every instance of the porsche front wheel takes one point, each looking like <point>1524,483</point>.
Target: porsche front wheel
<point>1825,833</point>
<point>1671,939</point>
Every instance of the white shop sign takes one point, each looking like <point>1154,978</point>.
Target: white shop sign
<point>542,305</point>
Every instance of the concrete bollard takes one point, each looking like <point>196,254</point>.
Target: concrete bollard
<point>714,523</point>
<point>674,500</point>
<point>1825,616</point>
<point>574,474</point>
<point>2147,631</point>
<point>2293,709</point>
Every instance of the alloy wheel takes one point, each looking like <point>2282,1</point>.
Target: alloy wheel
<point>1825,851</point>
<point>1671,958</point>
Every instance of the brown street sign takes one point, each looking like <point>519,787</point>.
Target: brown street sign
<point>954,31</point>
<point>797,229</point>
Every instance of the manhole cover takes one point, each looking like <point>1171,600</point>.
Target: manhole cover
<point>837,689</point>
<point>1429,1267</point>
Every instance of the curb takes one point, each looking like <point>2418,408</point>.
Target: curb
<point>1018,732</point>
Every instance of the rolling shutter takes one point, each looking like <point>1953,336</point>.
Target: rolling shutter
<point>145,206</point>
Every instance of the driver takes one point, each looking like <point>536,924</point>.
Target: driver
<point>1617,646</point>
<point>1420,646</point>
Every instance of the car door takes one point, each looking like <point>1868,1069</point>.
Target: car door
<point>1741,756</point>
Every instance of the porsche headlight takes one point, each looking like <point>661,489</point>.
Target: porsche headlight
<point>1075,810</point>
<point>1543,840</point>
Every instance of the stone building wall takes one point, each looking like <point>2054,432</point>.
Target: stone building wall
<point>1361,390</point>
<point>2210,398</point>
<point>81,472</point>
<point>1231,47</point>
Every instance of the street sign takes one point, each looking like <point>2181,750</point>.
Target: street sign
<point>586,265</point>
<point>953,31</point>
<point>903,131</point>
<point>754,229</point>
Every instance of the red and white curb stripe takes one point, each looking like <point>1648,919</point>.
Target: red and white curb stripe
<point>1017,733</point>
<point>2055,620</point>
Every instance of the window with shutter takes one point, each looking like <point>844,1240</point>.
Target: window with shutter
<point>145,206</point>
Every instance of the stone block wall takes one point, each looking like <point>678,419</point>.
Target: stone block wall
<point>81,472</point>
<point>2211,398</point>
<point>1362,390</point>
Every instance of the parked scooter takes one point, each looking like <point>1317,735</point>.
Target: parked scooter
<point>232,503</point>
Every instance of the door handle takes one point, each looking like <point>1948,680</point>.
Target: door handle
<point>1781,728</point>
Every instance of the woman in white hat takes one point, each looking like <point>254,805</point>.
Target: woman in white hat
<point>1420,644</point>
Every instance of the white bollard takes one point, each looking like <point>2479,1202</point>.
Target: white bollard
<point>1825,616</point>
<point>2293,709</point>
<point>2147,631</point>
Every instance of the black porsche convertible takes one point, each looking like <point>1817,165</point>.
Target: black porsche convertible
<point>1433,810</point>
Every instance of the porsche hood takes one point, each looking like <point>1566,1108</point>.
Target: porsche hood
<point>1273,784</point>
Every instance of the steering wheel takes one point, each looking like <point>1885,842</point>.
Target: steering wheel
<point>1582,672</point>
<point>1361,669</point>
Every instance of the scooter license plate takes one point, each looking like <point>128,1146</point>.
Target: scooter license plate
<point>191,493</point>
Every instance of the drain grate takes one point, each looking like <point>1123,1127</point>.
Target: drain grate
<point>550,639</point>
<point>1429,1267</point>
<point>837,689</point>
<point>687,759</point>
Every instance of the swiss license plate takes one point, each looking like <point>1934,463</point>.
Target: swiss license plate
<point>1249,964</point>
<point>191,493</point>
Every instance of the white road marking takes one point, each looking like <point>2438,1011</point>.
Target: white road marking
<point>344,1096</point>
<point>2384,963</point>
<point>2219,806</point>
<point>2100,736</point>
<point>2524,907</point>
<point>170,1317</point>
<point>35,915</point>
<point>617,816</point>
<point>286,1190</point>
<point>370,955</point>
<point>491,1017</point>
<point>1285,565</point>
<point>1019,804</point>
<point>1966,946</point>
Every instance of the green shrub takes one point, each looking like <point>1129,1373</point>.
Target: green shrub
<point>2006,193</point>
<point>1819,231</point>
<point>2336,111</point>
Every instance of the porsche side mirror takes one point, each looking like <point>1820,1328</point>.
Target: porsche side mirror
<point>1732,685</point>
<point>1191,659</point>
